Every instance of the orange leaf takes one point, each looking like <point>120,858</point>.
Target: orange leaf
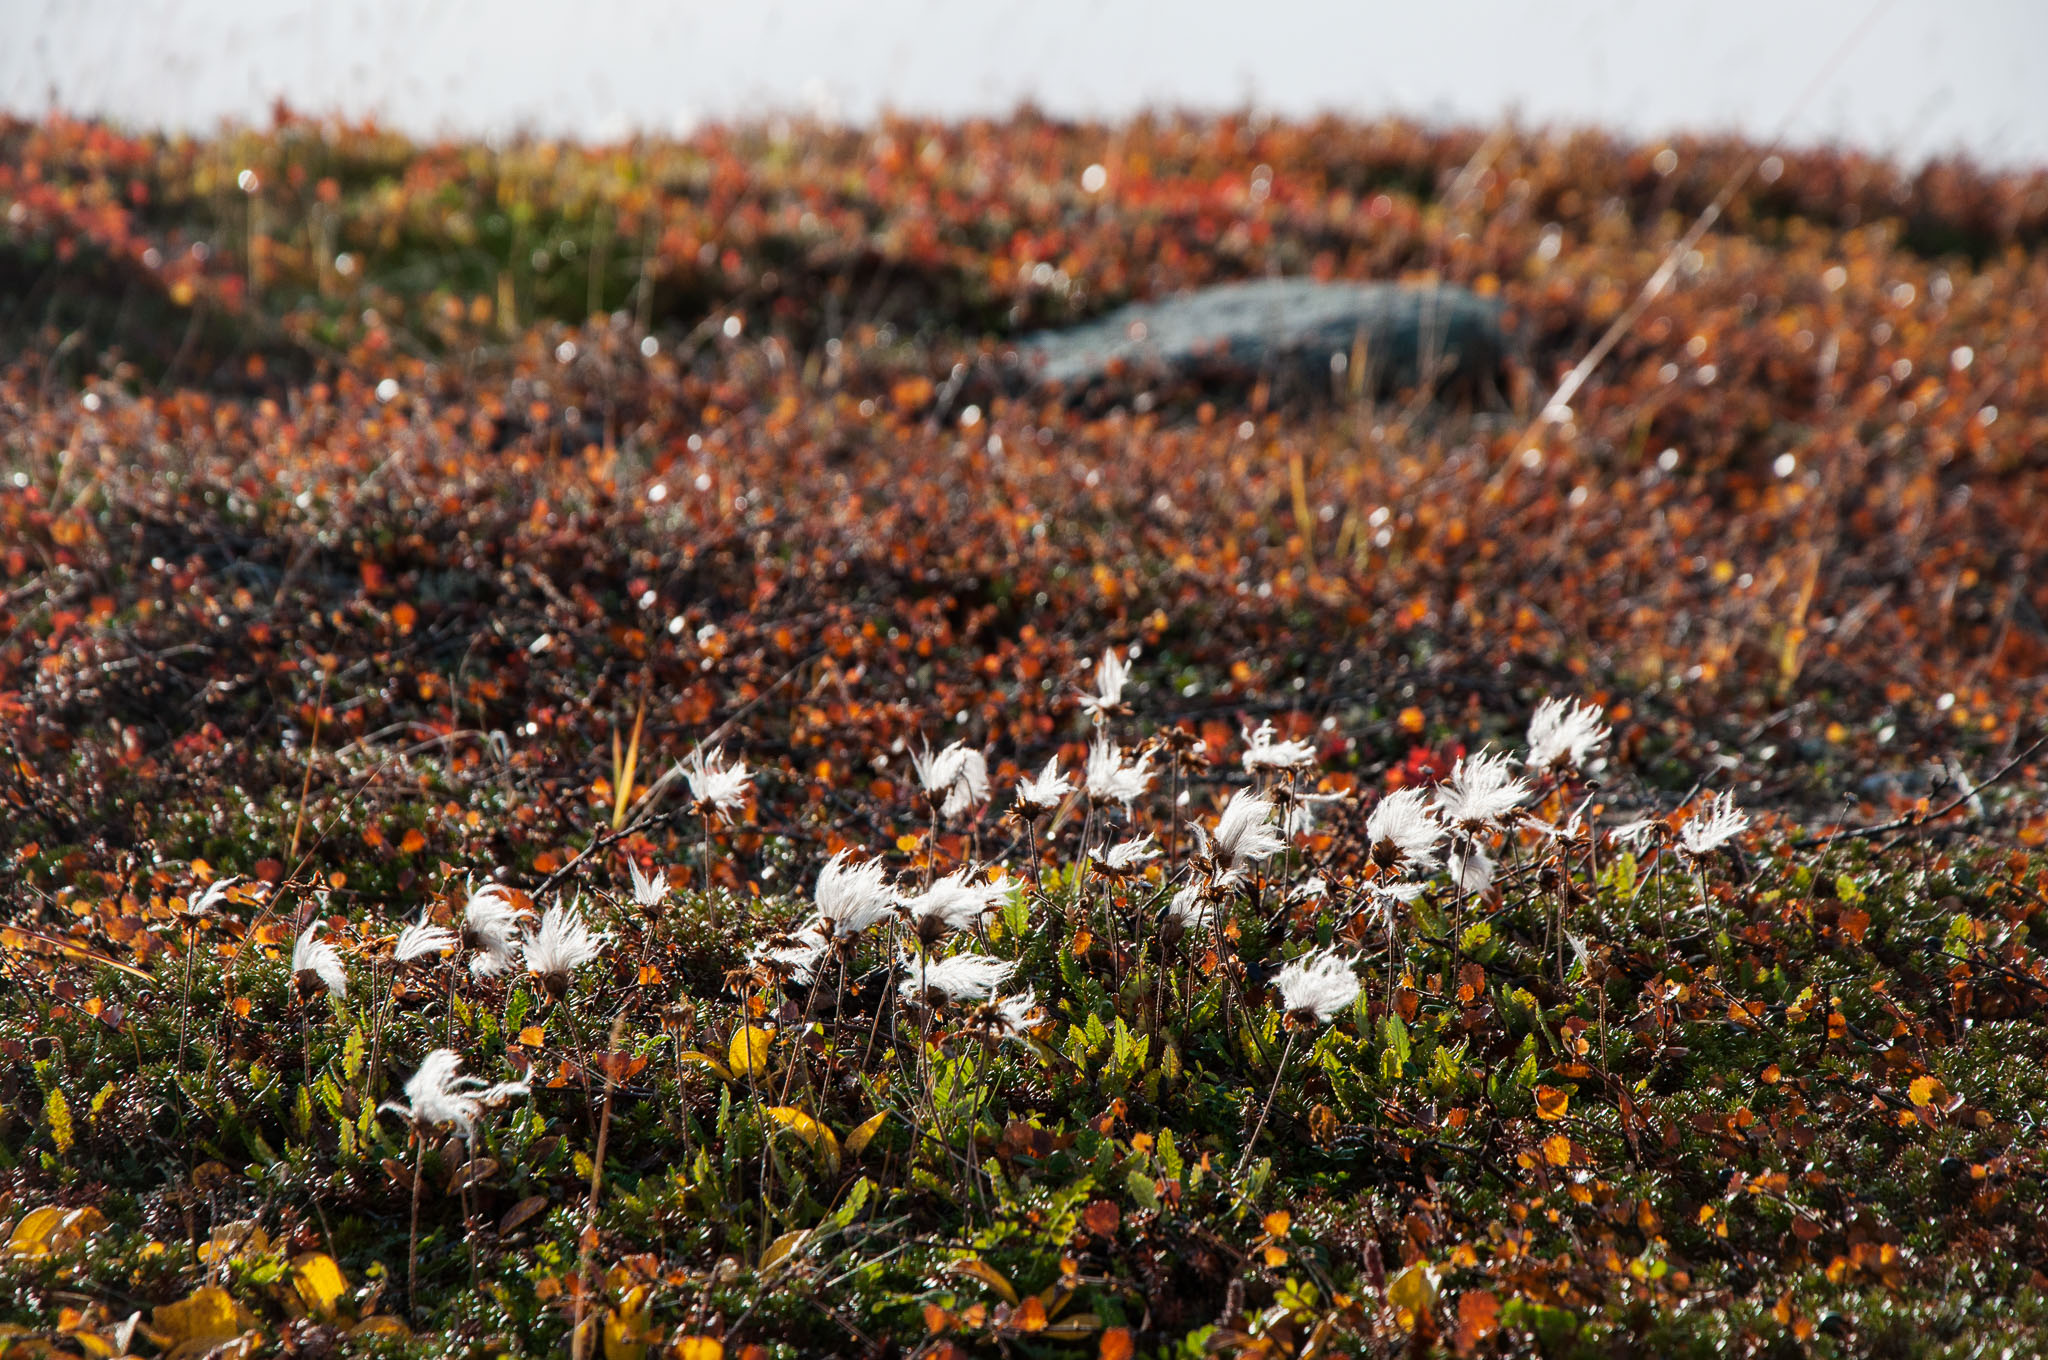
<point>1551,1102</point>
<point>1117,1345</point>
<point>1031,1317</point>
<point>1478,1318</point>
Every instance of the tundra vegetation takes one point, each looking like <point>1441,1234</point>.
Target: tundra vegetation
<point>576,777</point>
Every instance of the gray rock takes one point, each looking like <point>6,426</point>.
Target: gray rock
<point>1290,330</point>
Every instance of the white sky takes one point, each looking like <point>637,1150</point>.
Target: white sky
<point>1925,77</point>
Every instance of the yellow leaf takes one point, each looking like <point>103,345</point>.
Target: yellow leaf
<point>1413,1291</point>
<point>533,1036</point>
<point>208,1317</point>
<point>625,1327</point>
<point>92,1343</point>
<point>822,1140</point>
<point>858,1140</point>
<point>747,1054</point>
<point>1924,1091</point>
<point>320,1284</point>
<point>705,1060</point>
<point>52,1229</point>
<point>979,1269</point>
<point>381,1325</point>
<point>1557,1150</point>
<point>1551,1102</point>
<point>699,1348</point>
<point>779,1250</point>
<point>58,1111</point>
<point>1278,1222</point>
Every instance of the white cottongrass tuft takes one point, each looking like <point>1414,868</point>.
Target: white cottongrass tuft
<point>1045,792</point>
<point>1244,836</point>
<point>956,777</point>
<point>1126,856</point>
<point>315,958</point>
<point>1404,832</point>
<point>215,894</point>
<point>1261,752</point>
<point>1389,898</point>
<point>716,786</point>
<point>1471,869</point>
<point>1482,790</point>
<point>1565,732</point>
<point>953,903</point>
<point>490,921</point>
<point>1313,890</point>
<point>1110,780</point>
<point>852,897</point>
<point>561,946</point>
<point>437,1096</point>
<point>649,889</point>
<point>963,977</point>
<point>1110,677</point>
<point>1637,833</point>
<point>1301,814</point>
<point>420,939</point>
<point>1317,985</point>
<point>1014,1017</point>
<point>794,957</point>
<point>1718,822</point>
<point>1190,909</point>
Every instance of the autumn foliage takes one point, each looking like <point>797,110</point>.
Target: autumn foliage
<point>378,520</point>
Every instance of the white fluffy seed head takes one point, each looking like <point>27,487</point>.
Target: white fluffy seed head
<point>437,1097</point>
<point>955,777</point>
<point>851,897</point>
<point>795,957</point>
<point>313,957</point>
<point>716,786</point>
<point>1718,822</point>
<point>1404,832</point>
<point>1317,987</point>
<point>1483,790</point>
<point>491,923</point>
<point>1262,752</point>
<point>421,939</point>
<point>1046,791</point>
<point>561,946</point>
<point>1245,834</point>
<point>1110,780</point>
<point>1014,1017</point>
<point>650,888</point>
<point>1127,856</point>
<point>953,903</point>
<point>961,978</point>
<point>1565,732</point>
<point>1110,676</point>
